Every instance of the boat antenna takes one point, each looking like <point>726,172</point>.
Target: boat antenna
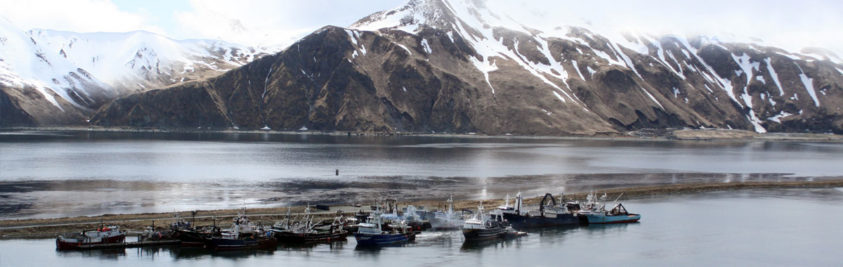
<point>451,203</point>
<point>288,217</point>
<point>619,197</point>
<point>192,213</point>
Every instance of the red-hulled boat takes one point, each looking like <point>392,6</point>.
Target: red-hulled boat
<point>102,235</point>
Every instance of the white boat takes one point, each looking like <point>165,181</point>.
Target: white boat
<point>412,217</point>
<point>102,235</point>
<point>516,209</point>
<point>243,234</point>
<point>448,220</point>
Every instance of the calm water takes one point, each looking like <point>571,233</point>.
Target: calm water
<point>798,227</point>
<point>53,174</point>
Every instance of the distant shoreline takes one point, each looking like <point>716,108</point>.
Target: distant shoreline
<point>49,228</point>
<point>645,135</point>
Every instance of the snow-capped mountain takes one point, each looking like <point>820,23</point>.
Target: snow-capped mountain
<point>455,66</point>
<point>54,73</point>
<point>733,69</point>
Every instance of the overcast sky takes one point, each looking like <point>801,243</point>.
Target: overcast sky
<point>791,24</point>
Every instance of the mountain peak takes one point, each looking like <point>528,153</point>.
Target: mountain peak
<point>447,15</point>
<point>407,18</point>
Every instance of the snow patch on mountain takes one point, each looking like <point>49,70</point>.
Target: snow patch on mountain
<point>808,82</point>
<point>426,46</point>
<point>775,76</point>
<point>652,97</point>
<point>85,68</point>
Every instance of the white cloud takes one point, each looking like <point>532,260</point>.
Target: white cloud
<point>270,22</point>
<point>792,25</point>
<point>789,24</point>
<point>73,15</point>
<point>254,22</point>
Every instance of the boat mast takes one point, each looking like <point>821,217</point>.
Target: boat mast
<point>451,204</point>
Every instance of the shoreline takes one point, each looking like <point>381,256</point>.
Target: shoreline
<point>51,227</point>
<point>639,135</point>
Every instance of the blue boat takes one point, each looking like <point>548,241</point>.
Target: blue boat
<point>595,210</point>
<point>374,234</point>
<point>380,239</point>
<point>617,214</point>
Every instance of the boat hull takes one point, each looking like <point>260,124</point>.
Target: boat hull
<point>610,219</point>
<point>483,234</point>
<point>192,238</point>
<point>305,238</point>
<point>71,244</point>
<point>524,221</point>
<point>383,239</point>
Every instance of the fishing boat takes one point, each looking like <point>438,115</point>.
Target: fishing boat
<point>597,214</point>
<point>310,236</point>
<point>373,233</point>
<point>448,220</point>
<point>305,231</point>
<point>102,235</point>
<point>484,226</point>
<point>192,236</point>
<point>243,235</point>
<point>195,237</point>
<point>414,218</point>
<point>549,214</point>
<point>618,214</point>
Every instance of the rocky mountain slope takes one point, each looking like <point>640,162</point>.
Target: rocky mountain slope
<point>453,66</point>
<point>53,77</point>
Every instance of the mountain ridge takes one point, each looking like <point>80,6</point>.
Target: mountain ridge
<point>444,66</point>
<point>76,73</point>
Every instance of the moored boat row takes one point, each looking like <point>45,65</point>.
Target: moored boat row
<point>375,228</point>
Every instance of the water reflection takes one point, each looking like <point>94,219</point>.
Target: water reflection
<point>189,253</point>
<point>607,230</point>
<point>480,245</point>
<point>311,246</point>
<point>102,254</point>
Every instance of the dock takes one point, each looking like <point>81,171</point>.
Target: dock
<point>137,244</point>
